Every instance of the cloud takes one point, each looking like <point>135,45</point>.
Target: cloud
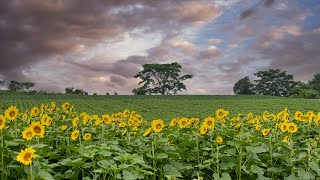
<point>210,52</point>
<point>215,41</point>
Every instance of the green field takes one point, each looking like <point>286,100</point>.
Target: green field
<point>164,107</point>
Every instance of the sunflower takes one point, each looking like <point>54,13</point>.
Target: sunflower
<point>2,121</point>
<point>132,114</point>
<point>65,106</point>
<point>38,129</point>
<point>258,127</point>
<point>11,113</point>
<point>209,122</point>
<point>265,116</point>
<point>125,113</point>
<point>196,121</point>
<point>298,115</point>
<point>28,134</point>
<point>53,105</point>
<point>46,120</point>
<point>284,127</point>
<point>122,124</point>
<point>147,132</point>
<point>220,113</point>
<point>87,136</point>
<point>265,132</point>
<point>106,119</point>
<point>136,122</point>
<point>63,127</point>
<point>35,111</point>
<point>250,115</point>
<point>85,119</point>
<point>292,127</point>
<point>24,116</point>
<point>286,139</point>
<point>203,129</point>
<point>25,156</point>
<point>219,140</point>
<point>157,125</point>
<point>183,122</point>
<point>75,134</point>
<point>75,121</point>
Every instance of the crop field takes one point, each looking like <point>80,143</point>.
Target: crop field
<point>158,137</point>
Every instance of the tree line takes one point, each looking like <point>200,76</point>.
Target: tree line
<point>275,82</point>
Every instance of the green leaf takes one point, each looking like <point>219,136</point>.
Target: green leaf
<point>127,175</point>
<point>170,170</point>
<point>162,156</point>
<point>105,153</point>
<point>106,163</point>
<point>256,169</point>
<point>259,149</point>
<point>225,176</point>
<point>45,175</point>
<point>303,175</point>
<point>314,166</point>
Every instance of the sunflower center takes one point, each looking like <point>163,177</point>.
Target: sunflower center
<point>12,114</point>
<point>221,114</point>
<point>27,156</point>
<point>158,126</point>
<point>37,129</point>
<point>29,135</point>
<point>183,123</point>
<point>291,128</point>
<point>1,122</point>
<point>209,123</point>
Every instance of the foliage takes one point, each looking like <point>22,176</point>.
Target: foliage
<point>274,82</point>
<point>161,79</point>
<point>71,90</point>
<point>315,83</point>
<point>20,86</point>
<point>302,90</point>
<point>243,86</point>
<point>248,146</point>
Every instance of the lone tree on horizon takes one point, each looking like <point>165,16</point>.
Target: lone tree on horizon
<point>161,79</point>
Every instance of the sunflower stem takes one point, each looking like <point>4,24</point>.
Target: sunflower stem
<point>153,158</point>
<point>217,160</point>
<point>31,175</point>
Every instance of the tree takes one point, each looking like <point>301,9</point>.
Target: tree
<point>274,82</point>
<point>20,86</point>
<point>160,79</point>
<point>1,83</point>
<point>243,86</point>
<point>315,83</point>
<point>71,90</point>
<point>303,90</point>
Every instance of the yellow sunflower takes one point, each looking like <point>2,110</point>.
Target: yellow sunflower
<point>147,132</point>
<point>220,113</point>
<point>292,128</point>
<point>25,156</point>
<point>2,121</point>
<point>106,119</point>
<point>38,129</point>
<point>265,132</point>
<point>203,129</point>
<point>25,116</point>
<point>284,127</point>
<point>122,124</point>
<point>298,115</point>
<point>85,119</point>
<point>75,134</point>
<point>11,113</point>
<point>65,106</point>
<point>183,122</point>
<point>28,134</point>
<point>53,105</point>
<point>87,136</point>
<point>125,113</point>
<point>75,121</point>
<point>219,140</point>
<point>258,127</point>
<point>157,125</point>
<point>286,139</point>
<point>265,116</point>
<point>35,111</point>
<point>63,127</point>
<point>209,121</point>
<point>46,120</point>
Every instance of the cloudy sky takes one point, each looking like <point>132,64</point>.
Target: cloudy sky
<point>100,45</point>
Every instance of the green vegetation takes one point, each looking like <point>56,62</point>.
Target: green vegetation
<point>166,107</point>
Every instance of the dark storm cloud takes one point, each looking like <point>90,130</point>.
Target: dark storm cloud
<point>36,30</point>
<point>249,12</point>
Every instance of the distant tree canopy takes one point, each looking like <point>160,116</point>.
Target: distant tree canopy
<point>243,86</point>
<point>161,79</point>
<point>275,82</point>
<point>19,86</point>
<point>71,90</point>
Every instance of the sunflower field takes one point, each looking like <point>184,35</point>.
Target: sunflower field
<point>55,141</point>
